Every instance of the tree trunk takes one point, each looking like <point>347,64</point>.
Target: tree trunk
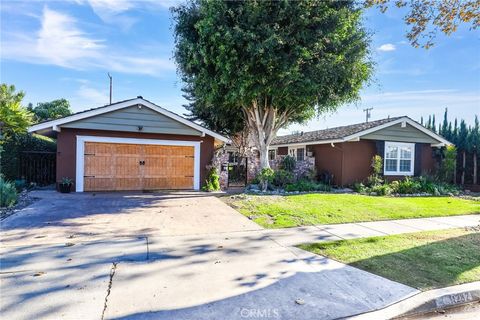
<point>462,179</point>
<point>264,121</point>
<point>475,167</point>
<point>455,171</point>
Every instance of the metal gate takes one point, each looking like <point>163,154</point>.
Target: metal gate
<point>237,171</point>
<point>38,167</point>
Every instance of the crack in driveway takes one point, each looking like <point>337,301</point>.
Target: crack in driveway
<point>110,282</point>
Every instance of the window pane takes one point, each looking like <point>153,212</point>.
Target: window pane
<point>300,154</point>
<point>392,152</point>
<point>271,154</point>
<point>405,165</point>
<point>406,153</point>
<point>391,165</point>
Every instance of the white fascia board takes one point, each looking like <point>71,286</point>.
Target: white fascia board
<point>414,124</point>
<point>87,114</point>
<point>300,144</point>
<point>183,120</point>
<point>357,136</point>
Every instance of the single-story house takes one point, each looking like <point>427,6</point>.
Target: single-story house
<point>131,145</point>
<point>346,152</point>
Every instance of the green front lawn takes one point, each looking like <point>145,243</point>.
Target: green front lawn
<point>311,209</point>
<point>423,260</point>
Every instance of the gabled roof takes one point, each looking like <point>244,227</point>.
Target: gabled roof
<point>57,123</point>
<point>350,133</point>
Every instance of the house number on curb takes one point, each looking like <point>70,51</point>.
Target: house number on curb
<point>453,299</point>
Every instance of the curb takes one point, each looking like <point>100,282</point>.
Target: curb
<point>427,301</point>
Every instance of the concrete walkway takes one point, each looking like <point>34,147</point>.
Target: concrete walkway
<point>331,232</point>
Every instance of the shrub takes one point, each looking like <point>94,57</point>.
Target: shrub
<point>288,163</point>
<point>212,183</point>
<point>408,186</point>
<point>265,177</point>
<point>282,177</point>
<point>381,189</point>
<point>310,175</point>
<point>423,184</point>
<point>304,185</point>
<point>359,187</point>
<point>15,144</point>
<point>8,193</point>
<point>376,178</point>
<point>447,167</point>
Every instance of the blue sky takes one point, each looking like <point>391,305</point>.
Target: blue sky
<point>64,49</point>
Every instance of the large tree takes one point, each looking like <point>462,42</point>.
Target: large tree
<point>266,64</point>
<point>14,117</point>
<point>427,17</point>
<point>51,110</point>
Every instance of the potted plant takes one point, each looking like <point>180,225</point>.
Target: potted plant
<point>66,185</point>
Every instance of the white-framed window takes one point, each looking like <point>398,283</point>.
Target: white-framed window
<point>272,154</point>
<point>297,152</point>
<point>399,158</point>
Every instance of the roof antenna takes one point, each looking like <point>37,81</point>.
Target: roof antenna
<point>110,86</point>
<point>368,113</point>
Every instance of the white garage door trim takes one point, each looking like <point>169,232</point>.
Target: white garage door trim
<point>81,154</point>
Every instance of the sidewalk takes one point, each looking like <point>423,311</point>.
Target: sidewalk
<point>332,232</point>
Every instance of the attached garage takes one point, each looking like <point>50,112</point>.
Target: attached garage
<point>131,145</point>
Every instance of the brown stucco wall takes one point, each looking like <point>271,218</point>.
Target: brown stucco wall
<point>328,158</point>
<point>350,162</point>
<point>282,151</point>
<point>357,161</point>
<point>67,146</point>
<point>427,160</point>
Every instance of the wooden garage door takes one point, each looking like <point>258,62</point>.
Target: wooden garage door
<point>119,166</point>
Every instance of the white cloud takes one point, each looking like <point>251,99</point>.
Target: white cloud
<point>62,43</point>
<point>115,11</point>
<point>412,103</point>
<point>92,96</point>
<point>387,47</point>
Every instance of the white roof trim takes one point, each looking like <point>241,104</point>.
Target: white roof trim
<point>414,124</point>
<point>55,124</point>
<point>356,136</point>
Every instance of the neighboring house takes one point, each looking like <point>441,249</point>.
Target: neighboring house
<point>131,145</point>
<point>346,152</point>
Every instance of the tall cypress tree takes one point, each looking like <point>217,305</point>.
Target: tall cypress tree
<point>455,132</point>
<point>449,132</point>
<point>463,146</point>
<point>429,122</point>
<point>434,127</point>
<point>474,144</point>
<point>444,130</point>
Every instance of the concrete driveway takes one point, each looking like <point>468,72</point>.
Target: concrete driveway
<point>177,256</point>
<point>86,216</point>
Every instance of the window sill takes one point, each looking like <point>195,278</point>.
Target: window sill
<point>396,173</point>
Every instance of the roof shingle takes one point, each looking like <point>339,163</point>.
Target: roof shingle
<point>329,134</point>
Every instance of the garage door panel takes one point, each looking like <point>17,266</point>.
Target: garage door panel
<point>181,182</point>
<point>156,183</point>
<point>127,183</point>
<point>98,184</point>
<point>98,166</point>
<point>156,166</point>
<point>126,166</point>
<point>118,166</point>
